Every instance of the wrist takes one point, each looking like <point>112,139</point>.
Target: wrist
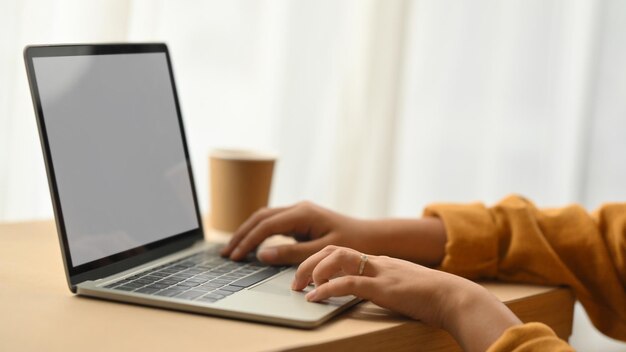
<point>419,240</point>
<point>373,236</point>
<point>468,304</point>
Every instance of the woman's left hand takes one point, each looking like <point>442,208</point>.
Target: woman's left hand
<point>404,287</point>
<point>437,298</point>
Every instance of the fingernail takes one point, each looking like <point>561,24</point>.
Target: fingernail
<point>311,295</point>
<point>235,253</point>
<point>294,285</point>
<point>267,254</point>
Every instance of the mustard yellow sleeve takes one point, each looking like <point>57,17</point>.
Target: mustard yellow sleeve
<point>531,337</point>
<point>516,242</point>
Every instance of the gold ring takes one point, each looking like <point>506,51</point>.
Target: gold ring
<point>362,264</point>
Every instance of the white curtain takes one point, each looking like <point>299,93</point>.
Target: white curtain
<point>375,107</point>
<point>512,96</point>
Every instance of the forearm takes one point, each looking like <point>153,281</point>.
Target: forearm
<point>476,318</point>
<point>516,241</point>
<point>418,240</point>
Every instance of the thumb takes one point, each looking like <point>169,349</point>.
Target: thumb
<point>291,253</point>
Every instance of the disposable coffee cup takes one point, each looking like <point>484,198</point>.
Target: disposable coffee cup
<point>240,182</point>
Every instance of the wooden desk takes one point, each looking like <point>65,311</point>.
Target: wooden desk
<point>39,313</point>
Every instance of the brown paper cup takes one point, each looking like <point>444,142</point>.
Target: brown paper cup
<point>240,184</point>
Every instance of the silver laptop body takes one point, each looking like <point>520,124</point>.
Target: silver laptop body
<point>123,192</point>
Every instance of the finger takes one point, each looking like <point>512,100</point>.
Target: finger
<point>289,221</point>
<point>292,253</point>
<point>361,286</point>
<point>248,225</point>
<point>305,270</point>
<point>342,261</point>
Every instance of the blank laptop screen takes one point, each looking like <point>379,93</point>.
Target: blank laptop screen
<point>117,151</point>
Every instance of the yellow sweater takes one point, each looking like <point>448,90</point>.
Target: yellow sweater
<point>516,242</point>
<point>530,337</point>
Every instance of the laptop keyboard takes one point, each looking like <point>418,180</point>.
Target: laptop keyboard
<point>204,277</point>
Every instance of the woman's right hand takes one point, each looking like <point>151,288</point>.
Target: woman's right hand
<point>312,226</point>
<point>419,240</point>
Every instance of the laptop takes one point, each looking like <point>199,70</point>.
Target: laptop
<point>123,192</point>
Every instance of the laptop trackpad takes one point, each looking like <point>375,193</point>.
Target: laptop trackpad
<point>279,284</point>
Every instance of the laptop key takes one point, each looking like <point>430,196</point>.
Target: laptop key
<point>127,288</point>
<point>206,276</point>
<point>147,290</point>
<point>192,294</point>
<point>219,281</point>
<point>219,271</point>
<point>198,280</point>
<point>181,287</point>
<point>213,285</point>
<point>205,288</point>
<point>231,288</point>
<point>257,277</point>
<point>160,274</point>
<point>213,296</point>
<point>170,292</point>
<point>134,284</point>
<point>188,284</point>
<point>194,271</point>
<point>222,292</point>
<point>183,275</point>
<point>238,274</point>
<point>151,278</point>
<point>169,271</point>
<point>207,299</point>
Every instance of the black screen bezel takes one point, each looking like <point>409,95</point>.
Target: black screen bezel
<point>136,256</point>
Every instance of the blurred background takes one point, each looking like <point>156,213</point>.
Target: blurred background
<point>376,108</point>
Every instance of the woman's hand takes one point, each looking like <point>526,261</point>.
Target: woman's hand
<point>469,312</point>
<point>420,240</point>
